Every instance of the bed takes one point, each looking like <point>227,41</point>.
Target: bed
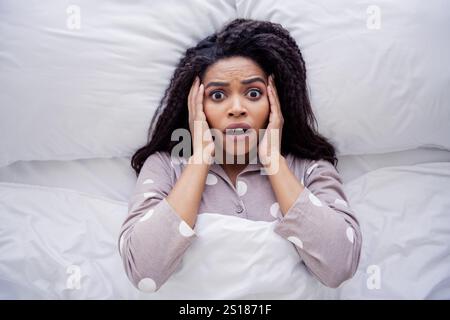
<point>65,175</point>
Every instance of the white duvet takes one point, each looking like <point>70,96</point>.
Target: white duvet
<point>58,243</point>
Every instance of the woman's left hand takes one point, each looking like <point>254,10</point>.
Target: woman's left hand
<point>269,148</point>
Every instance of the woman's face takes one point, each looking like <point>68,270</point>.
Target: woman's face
<point>236,93</point>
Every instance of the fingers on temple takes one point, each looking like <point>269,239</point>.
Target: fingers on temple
<point>192,94</point>
<point>275,95</point>
<point>199,98</point>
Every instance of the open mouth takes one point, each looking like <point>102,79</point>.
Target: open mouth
<point>236,131</point>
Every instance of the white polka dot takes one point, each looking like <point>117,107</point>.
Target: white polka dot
<point>148,181</point>
<point>185,229</point>
<point>241,188</point>
<point>340,201</point>
<point>350,234</point>
<point>149,194</point>
<point>147,285</point>
<point>310,169</point>
<point>147,215</point>
<point>211,179</point>
<point>315,200</point>
<point>275,209</point>
<point>296,241</point>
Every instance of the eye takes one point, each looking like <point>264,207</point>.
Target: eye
<point>257,91</point>
<point>215,94</point>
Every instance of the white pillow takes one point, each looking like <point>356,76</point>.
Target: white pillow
<point>372,90</point>
<point>69,93</point>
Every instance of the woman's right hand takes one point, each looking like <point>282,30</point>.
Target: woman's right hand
<point>202,142</point>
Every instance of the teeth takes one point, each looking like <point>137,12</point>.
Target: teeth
<point>235,131</point>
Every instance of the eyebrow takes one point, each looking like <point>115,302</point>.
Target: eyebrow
<point>247,81</point>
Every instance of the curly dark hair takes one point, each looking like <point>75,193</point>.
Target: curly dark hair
<point>275,51</point>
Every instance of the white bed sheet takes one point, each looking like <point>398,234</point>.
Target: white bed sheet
<point>114,178</point>
<point>46,233</point>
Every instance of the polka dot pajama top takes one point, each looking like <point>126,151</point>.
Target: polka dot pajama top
<point>320,224</point>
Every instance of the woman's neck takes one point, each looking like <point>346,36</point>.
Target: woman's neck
<point>234,168</point>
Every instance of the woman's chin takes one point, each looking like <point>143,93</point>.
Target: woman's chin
<point>235,151</point>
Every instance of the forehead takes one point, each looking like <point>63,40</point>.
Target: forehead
<point>234,67</point>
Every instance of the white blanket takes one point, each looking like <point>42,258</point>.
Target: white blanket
<point>57,243</point>
<point>241,259</point>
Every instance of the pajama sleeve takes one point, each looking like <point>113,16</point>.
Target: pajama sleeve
<point>153,237</point>
<point>322,226</point>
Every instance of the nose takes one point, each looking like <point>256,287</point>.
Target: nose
<point>237,109</point>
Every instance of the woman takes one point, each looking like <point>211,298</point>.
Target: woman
<point>239,90</point>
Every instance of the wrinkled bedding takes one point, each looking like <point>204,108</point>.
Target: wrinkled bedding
<point>57,243</point>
